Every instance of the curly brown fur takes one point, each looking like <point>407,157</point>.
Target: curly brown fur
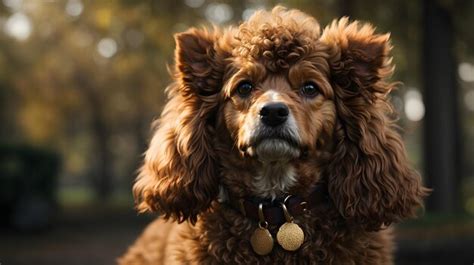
<point>371,181</point>
<point>211,138</point>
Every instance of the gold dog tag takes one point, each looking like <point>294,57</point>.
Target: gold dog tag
<point>290,236</point>
<point>261,241</point>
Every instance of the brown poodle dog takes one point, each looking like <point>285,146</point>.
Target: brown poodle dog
<point>277,146</point>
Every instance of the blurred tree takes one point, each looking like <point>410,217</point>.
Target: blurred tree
<point>442,130</point>
<point>89,84</point>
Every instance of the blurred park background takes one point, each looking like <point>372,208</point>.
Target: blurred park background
<point>81,81</point>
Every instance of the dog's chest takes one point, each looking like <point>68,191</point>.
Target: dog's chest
<point>225,239</point>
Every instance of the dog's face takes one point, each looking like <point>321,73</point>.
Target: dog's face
<point>278,117</point>
<point>274,107</point>
<point>278,102</point>
<point>276,120</point>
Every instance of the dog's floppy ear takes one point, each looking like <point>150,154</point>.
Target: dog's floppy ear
<point>369,177</point>
<point>179,175</point>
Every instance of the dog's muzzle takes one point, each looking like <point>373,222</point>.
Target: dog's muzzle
<point>276,137</point>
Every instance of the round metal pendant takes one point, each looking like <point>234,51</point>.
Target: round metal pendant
<point>290,236</point>
<point>261,241</point>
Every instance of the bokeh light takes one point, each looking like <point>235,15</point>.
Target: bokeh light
<point>74,8</point>
<point>219,13</point>
<point>466,72</point>
<point>414,107</point>
<point>18,26</point>
<point>107,47</point>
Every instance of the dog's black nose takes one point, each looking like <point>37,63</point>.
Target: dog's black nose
<point>274,114</point>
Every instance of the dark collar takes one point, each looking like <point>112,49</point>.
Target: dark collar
<point>273,211</point>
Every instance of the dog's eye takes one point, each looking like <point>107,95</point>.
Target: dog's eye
<point>244,88</point>
<point>309,89</point>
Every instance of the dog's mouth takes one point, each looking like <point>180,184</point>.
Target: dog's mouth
<point>273,147</point>
<point>275,138</point>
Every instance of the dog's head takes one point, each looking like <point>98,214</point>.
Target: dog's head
<point>273,107</point>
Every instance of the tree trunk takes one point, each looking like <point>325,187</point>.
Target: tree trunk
<point>441,123</point>
<point>102,180</point>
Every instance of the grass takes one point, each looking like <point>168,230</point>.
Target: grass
<point>73,197</point>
